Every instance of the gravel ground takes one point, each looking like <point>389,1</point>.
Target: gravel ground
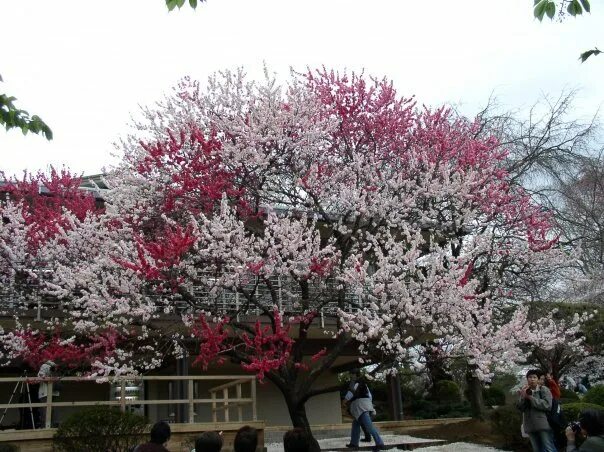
<point>459,447</point>
<point>396,439</point>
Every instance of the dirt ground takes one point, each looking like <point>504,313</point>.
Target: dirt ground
<point>472,431</point>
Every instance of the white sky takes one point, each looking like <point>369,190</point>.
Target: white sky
<point>85,66</point>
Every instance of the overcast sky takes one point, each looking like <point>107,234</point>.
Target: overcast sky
<point>85,66</point>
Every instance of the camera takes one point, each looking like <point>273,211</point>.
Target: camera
<point>575,427</point>
<point>529,391</point>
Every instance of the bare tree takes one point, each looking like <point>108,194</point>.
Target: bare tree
<point>581,218</point>
<point>550,151</point>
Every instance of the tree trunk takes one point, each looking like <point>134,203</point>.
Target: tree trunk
<point>297,413</point>
<point>475,396</point>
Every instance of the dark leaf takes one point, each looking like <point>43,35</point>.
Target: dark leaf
<point>193,3</point>
<point>550,10</point>
<point>539,10</point>
<point>586,5</point>
<point>585,55</point>
<point>574,8</point>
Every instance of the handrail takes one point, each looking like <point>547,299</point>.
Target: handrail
<point>229,402</point>
<point>239,401</point>
<point>228,385</point>
<point>128,378</point>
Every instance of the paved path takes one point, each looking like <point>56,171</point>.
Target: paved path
<point>341,442</point>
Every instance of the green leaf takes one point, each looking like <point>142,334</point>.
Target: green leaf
<point>539,10</point>
<point>193,3</point>
<point>171,4</point>
<point>47,132</point>
<point>574,8</point>
<point>179,3</point>
<point>586,5</point>
<point>585,55</point>
<point>550,10</point>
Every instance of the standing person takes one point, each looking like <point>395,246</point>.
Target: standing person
<point>208,442</point>
<point>591,423</point>
<point>557,420</point>
<point>553,386</point>
<point>584,385</point>
<point>46,371</point>
<point>585,382</point>
<point>160,435</point>
<point>356,374</point>
<point>246,439</point>
<point>361,409</point>
<point>296,440</point>
<point>535,402</point>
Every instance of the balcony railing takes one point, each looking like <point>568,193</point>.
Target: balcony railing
<point>287,295</point>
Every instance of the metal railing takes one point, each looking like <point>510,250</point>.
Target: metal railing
<point>219,301</point>
<point>227,402</point>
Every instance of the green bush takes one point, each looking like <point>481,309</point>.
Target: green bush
<point>595,395</point>
<point>445,391</point>
<point>429,409</point>
<point>571,410</point>
<point>504,381</point>
<point>568,396</point>
<point>99,429</point>
<point>505,421</point>
<point>493,396</point>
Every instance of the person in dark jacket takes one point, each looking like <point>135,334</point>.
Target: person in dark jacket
<point>160,435</point>
<point>553,386</point>
<point>208,442</point>
<point>535,402</point>
<point>246,439</point>
<point>592,428</point>
<point>356,375</point>
<point>296,440</point>
<point>361,409</point>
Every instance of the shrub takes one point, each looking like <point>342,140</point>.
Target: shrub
<point>568,396</point>
<point>504,381</point>
<point>505,421</point>
<point>595,395</point>
<point>429,409</point>
<point>571,410</point>
<point>493,396</point>
<point>99,429</point>
<point>445,391</point>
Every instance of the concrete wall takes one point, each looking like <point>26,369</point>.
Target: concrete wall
<point>181,440</point>
<point>323,409</point>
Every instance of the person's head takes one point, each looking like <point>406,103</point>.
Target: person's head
<point>296,440</point>
<point>208,442</point>
<point>160,433</point>
<point>549,376</point>
<point>532,377</point>
<point>542,379</point>
<point>246,439</point>
<point>592,422</point>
